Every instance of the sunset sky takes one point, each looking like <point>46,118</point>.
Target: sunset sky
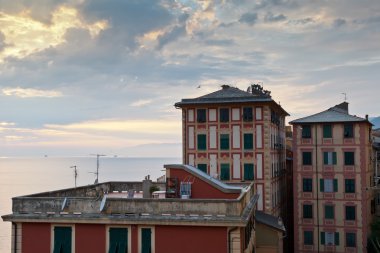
<point>101,76</point>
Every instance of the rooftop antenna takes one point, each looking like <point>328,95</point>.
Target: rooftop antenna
<point>75,174</point>
<point>97,167</point>
<point>345,96</point>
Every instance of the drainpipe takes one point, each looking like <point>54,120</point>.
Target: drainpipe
<point>229,231</point>
<point>15,237</point>
<point>316,169</point>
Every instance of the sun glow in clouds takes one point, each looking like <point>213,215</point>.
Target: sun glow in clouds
<point>29,93</point>
<point>25,36</point>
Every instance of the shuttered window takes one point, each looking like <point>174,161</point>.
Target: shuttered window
<point>248,141</point>
<point>329,212</point>
<point>248,171</point>
<point>350,240</point>
<point>247,114</point>
<point>118,240</point>
<point>327,131</point>
<point>146,240</point>
<point>224,141</point>
<point>307,185</point>
<point>307,211</point>
<point>330,238</point>
<point>348,130</point>
<point>306,158</point>
<point>349,158</point>
<point>328,185</point>
<point>202,167</point>
<point>350,213</point>
<point>224,171</point>
<point>306,131</point>
<point>62,239</point>
<point>201,142</point>
<point>349,185</point>
<point>308,237</point>
<point>224,115</point>
<point>201,115</point>
<point>329,158</point>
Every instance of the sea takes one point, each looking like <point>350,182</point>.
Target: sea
<point>24,176</point>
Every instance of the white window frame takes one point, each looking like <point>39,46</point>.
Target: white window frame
<point>118,226</point>
<point>153,242</point>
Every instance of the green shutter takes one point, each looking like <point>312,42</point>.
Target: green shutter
<point>323,238</point>
<point>334,158</point>
<point>224,141</point>
<point>335,182</point>
<point>225,171</point>
<point>325,158</point>
<point>62,240</point>
<point>202,167</point>
<point>248,171</point>
<point>327,133</point>
<point>329,212</point>
<point>201,138</point>
<point>146,240</point>
<point>322,185</point>
<point>118,238</point>
<point>248,141</point>
<point>336,238</point>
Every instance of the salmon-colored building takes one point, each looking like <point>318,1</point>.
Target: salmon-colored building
<point>236,136</point>
<point>333,181</point>
<point>196,213</point>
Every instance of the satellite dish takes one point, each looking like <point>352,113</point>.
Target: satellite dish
<point>103,203</point>
<point>64,204</point>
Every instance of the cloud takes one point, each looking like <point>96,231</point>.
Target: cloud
<point>170,36</point>
<point>34,36</point>
<point>248,18</point>
<point>7,124</point>
<point>339,22</point>
<point>30,93</point>
<point>141,102</point>
<point>270,17</point>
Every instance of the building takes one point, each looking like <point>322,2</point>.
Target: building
<point>235,136</point>
<point>333,181</point>
<point>197,214</point>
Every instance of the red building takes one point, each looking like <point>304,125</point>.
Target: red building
<point>198,214</point>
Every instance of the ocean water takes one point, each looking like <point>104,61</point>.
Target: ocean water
<point>23,176</point>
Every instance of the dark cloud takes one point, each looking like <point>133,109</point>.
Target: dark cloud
<point>339,22</point>
<point>248,18</point>
<point>271,18</point>
<point>171,36</point>
<point>303,21</point>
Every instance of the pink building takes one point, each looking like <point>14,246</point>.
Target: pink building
<point>333,179</point>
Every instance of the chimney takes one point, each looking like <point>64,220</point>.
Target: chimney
<point>225,86</point>
<point>366,117</point>
<point>343,106</point>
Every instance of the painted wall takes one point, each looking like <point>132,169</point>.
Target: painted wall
<point>36,237</point>
<point>90,238</point>
<point>191,239</point>
<point>200,189</point>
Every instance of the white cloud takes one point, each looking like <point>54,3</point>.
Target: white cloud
<point>141,102</point>
<point>30,93</point>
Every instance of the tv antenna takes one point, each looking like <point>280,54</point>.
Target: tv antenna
<point>97,167</point>
<point>345,96</point>
<point>75,174</point>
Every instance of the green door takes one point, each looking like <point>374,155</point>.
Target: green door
<point>62,240</point>
<point>146,240</point>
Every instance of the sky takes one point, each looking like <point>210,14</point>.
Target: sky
<point>101,76</point>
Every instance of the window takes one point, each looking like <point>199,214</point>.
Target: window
<point>307,185</point>
<point>348,130</point>
<point>330,238</point>
<point>247,114</point>
<point>329,158</point>
<point>307,211</point>
<point>327,131</point>
<point>350,240</point>
<point>224,115</point>
<point>350,212</point>
<point>62,240</point>
<point>248,141</point>
<point>328,185</point>
<point>329,212</point>
<point>349,185</point>
<point>146,240</point>
<point>118,240</point>
<point>349,158</point>
<point>225,171</point>
<point>201,141</point>
<point>308,237</point>
<point>248,171</point>
<point>306,131</point>
<point>202,167</point>
<point>306,158</point>
<point>224,141</point>
<point>201,115</point>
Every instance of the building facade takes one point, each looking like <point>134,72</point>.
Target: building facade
<point>235,136</point>
<point>333,181</point>
<point>199,214</point>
